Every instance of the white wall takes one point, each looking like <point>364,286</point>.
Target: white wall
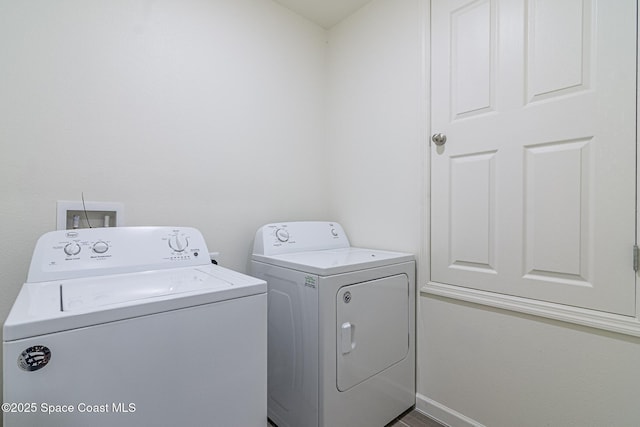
<point>193,112</point>
<point>476,365</point>
<point>376,124</point>
<point>505,369</point>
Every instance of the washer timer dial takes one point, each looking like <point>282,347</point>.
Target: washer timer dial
<point>72,249</point>
<point>282,235</point>
<point>178,243</point>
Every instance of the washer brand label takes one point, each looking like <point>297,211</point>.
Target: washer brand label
<point>310,282</point>
<point>34,358</point>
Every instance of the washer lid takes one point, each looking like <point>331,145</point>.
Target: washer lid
<point>92,293</point>
<point>48,307</point>
<point>335,261</point>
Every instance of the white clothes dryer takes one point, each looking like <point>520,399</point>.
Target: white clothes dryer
<point>134,327</point>
<point>341,327</point>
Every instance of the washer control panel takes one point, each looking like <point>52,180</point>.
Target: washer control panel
<point>301,236</point>
<point>65,254</point>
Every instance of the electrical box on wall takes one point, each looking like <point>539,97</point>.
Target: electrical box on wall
<point>89,215</point>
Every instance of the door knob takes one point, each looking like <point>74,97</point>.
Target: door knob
<point>439,139</point>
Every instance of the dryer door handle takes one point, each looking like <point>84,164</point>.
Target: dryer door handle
<point>348,337</point>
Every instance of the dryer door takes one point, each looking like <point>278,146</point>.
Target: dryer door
<point>372,328</point>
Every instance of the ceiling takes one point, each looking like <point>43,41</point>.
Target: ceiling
<point>325,13</point>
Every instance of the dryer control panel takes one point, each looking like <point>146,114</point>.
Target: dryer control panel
<point>299,236</point>
<point>67,254</point>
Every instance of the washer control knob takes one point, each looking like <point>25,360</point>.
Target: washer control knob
<point>282,234</point>
<point>100,247</point>
<point>334,232</point>
<point>178,243</point>
<point>72,249</point>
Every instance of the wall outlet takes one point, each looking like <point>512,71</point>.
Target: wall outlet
<point>98,214</point>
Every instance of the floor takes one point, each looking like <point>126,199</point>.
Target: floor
<point>414,419</point>
<point>408,419</point>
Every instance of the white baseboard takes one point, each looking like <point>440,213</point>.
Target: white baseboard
<point>443,414</point>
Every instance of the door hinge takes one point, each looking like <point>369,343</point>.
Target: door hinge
<point>636,257</point>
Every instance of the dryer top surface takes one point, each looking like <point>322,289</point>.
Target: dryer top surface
<point>335,261</point>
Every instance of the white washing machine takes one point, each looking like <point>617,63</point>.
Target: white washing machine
<point>341,327</point>
<point>134,327</point>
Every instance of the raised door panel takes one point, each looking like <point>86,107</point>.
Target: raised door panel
<point>558,236</point>
<point>472,228</point>
<point>472,59</point>
<point>559,47</point>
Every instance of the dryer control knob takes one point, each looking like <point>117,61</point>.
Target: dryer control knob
<point>178,243</point>
<point>282,234</point>
<point>72,249</point>
<point>100,247</point>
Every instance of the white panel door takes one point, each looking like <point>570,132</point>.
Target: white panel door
<point>533,193</point>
